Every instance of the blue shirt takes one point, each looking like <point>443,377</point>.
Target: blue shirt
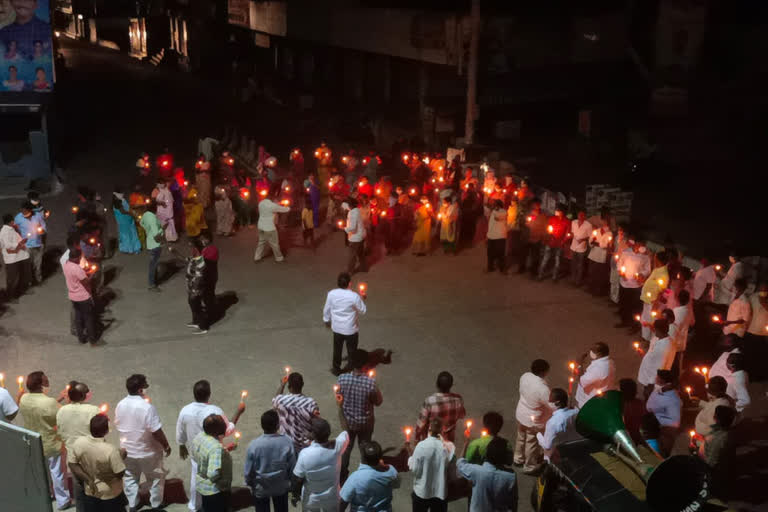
<point>493,490</point>
<point>28,228</point>
<point>370,490</point>
<point>666,406</point>
<point>269,463</point>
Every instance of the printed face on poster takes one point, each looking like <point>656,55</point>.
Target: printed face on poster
<point>26,50</point>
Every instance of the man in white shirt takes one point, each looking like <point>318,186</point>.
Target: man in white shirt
<point>8,407</point>
<point>429,464</point>
<point>190,424</point>
<point>657,358</point>
<point>581,230</point>
<point>725,291</point>
<point>600,375</point>
<point>497,236</point>
<point>317,470</point>
<point>684,319</point>
<point>738,381</point>
<point>355,229</point>
<point>15,259</point>
<point>532,414</point>
<point>341,311</point>
<point>739,311</point>
<point>561,427</point>
<point>599,268</point>
<point>142,436</point>
<point>704,282</point>
<point>266,225</point>
<point>634,266</point>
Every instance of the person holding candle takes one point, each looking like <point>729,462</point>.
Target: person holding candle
<point>653,287</point>
<point>658,355</point>
<point>39,412</point>
<point>449,216</point>
<point>163,198</point>
<point>214,465</point>
<point>738,380</point>
<point>15,259</point>
<point>8,406</point>
<point>79,293</point>
<point>341,313</point>
<point>533,233</point>
<point>581,231</point>
<point>494,485</point>
<point>492,424</point>
<point>154,230</point>
<point>558,228</point>
<point>634,265</point>
<point>599,375</point>
<point>266,225</point>
<point>684,319</point>
<point>369,489</point>
<point>725,291</point>
<point>428,462</point>
<point>532,414</point>
<point>497,236</point>
<point>225,215</point>
<point>444,405</point>
<point>269,463</point>
<point>664,402</point>
<point>756,337</point>
<point>32,226</point>
<point>739,311</point>
<point>128,238</point>
<point>295,410</point>
<point>142,436</point>
<point>359,395</point>
<point>190,424</point>
<point>561,426</point>
<point>422,236</point>
<point>599,266</point>
<point>717,396</point>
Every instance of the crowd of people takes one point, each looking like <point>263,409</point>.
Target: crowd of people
<point>297,459</point>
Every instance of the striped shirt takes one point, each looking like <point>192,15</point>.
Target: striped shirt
<point>214,465</point>
<point>296,412</point>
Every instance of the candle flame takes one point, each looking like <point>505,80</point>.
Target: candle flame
<point>550,229</point>
<point>469,423</point>
<point>103,408</point>
<point>572,365</point>
<point>483,433</point>
<point>636,345</point>
<point>692,433</point>
<point>287,369</point>
<point>653,313</point>
<point>718,267</point>
<point>570,379</point>
<point>238,435</point>
<point>413,191</point>
<point>244,394</point>
<point>688,389</point>
<point>599,392</point>
<point>75,209</point>
<point>697,369</point>
<point>335,388</point>
<point>340,223</point>
<point>362,287</point>
<point>704,370</point>
<point>371,373</point>
<point>715,318</point>
<point>661,282</point>
<point>637,317</point>
<point>407,431</point>
<point>20,380</point>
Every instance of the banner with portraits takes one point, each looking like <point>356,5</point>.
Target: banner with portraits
<point>26,49</point>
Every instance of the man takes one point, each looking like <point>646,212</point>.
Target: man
<point>684,319</point>
<point>599,266</point>
<point>214,465</point>
<point>561,427</point>
<point>532,414</point>
<point>369,489</point>
<point>32,225</point>
<point>266,225</point>
<point>581,230</point>
<point>534,231</point>
<point>704,282</point>
<point>497,236</point>
<point>72,422</point>
<point>39,413</point>
<point>725,291</point>
<point>341,313</point>
<point>557,229</point>
<point>295,411</point>
<point>355,230</point>
<point>738,381</point>
<point>269,464</point>
<point>634,266</point>
<point>599,376</point>
<point>359,394</point>
<point>476,451</point>
<point>15,259</point>
<point>141,434</point>
<point>79,293</point>
<point>210,254</point>
<point>190,424</point>
<point>666,405</point>
<point>494,487</point>
<point>653,287</point>
<point>658,355</point>
<point>154,231</point>
<point>429,464</point>
<point>8,407</point>
<point>716,392</point>
<point>739,311</point>
<point>26,29</point>
<point>316,474</point>
<point>446,406</point>
<point>717,448</point>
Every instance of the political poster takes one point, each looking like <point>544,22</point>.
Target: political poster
<point>26,49</point>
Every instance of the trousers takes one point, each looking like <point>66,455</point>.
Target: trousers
<point>218,502</point>
<point>356,257</point>
<point>154,259</point>
<point>364,434</point>
<point>549,253</point>
<point>36,258</point>
<point>271,238</point>
<point>527,449</point>
<point>152,469</point>
<point>199,314</point>
<point>60,490</point>
<point>577,267</point>
<point>279,503</point>
<point>16,278</point>
<point>85,320</point>
<point>495,254</point>
<point>428,505</point>
<point>629,304</point>
<point>338,345</point>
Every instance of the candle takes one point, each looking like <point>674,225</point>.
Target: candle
<point>371,373</point>
<point>340,224</point>
<point>716,319</point>
<point>688,390</point>
<point>572,366</point>
<point>528,219</point>
<point>384,214</point>
<point>238,435</point>
<point>570,385</point>
<point>75,209</point>
<point>243,396</point>
<point>653,314</point>
<point>599,392</point>
<point>263,193</point>
<point>186,183</point>
<point>103,408</point>
<point>40,230</point>
<point>637,318</point>
<point>378,191</point>
<point>413,191</point>
<point>661,282</point>
<point>623,269</point>
<point>718,267</point>
<point>94,267</point>
<point>483,433</point>
<point>362,287</point>
<point>146,399</point>
<point>616,257</point>
<point>692,433</point>
<point>636,345</point>
<point>648,294</point>
<point>20,381</point>
<point>2,380</point>
<point>287,370</point>
<point>594,233</point>
<point>147,201</point>
<point>468,430</point>
<point>407,431</point>
<point>146,165</point>
<point>335,388</point>
<point>550,229</point>
<point>287,189</point>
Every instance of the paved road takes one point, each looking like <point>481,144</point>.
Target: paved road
<point>437,313</point>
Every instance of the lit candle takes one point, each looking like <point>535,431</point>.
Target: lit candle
<point>147,201</point>
<point>688,390</point>
<point>636,345</point>
<point>594,233</point>
<point>20,381</point>
<point>533,418</point>
<point>692,434</point>
<point>287,370</point>
<point>2,380</point>
<point>40,230</point>
<point>599,392</point>
<point>75,209</point>
<point>335,388</point>
<point>362,287</point>
<point>468,430</point>
<point>616,257</point>
<point>697,369</point>
<point>439,215</point>
<point>378,191</point>
<point>340,224</point>
<point>648,294</point>
<point>718,267</point>
<point>413,191</point>
<point>407,431</point>
<point>238,435</point>
<point>186,183</point>
<point>705,373</point>
<point>263,193</point>
<point>371,373</point>
<point>661,282</point>
<point>103,408</point>
<point>287,189</point>
<point>94,267</point>
<point>550,229</point>
<point>384,214</point>
<point>570,385</point>
<point>716,319</point>
<point>637,318</point>
<point>653,314</point>
<point>146,399</point>
<point>623,269</point>
<point>483,433</point>
<point>572,366</point>
<point>243,396</point>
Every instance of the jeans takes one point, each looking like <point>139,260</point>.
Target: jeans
<point>271,238</point>
<point>36,258</point>
<point>199,315</point>
<point>154,258</point>
<point>364,434</point>
<point>549,252</point>
<point>279,503</point>
<point>577,267</point>
<point>529,257</point>
<point>338,345</point>
<point>85,320</point>
<point>495,254</point>
<point>428,505</point>
<point>356,255</point>
<point>216,502</point>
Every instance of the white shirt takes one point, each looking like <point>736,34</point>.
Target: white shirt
<point>633,263</point>
<point>429,464</point>
<point>561,428</point>
<point>319,467</point>
<point>355,228</point>
<point>497,225</point>
<point>190,422</point>
<point>703,277</point>
<point>342,307</point>
<point>683,321</point>
<point>533,402</point>
<point>9,239</point>
<point>720,367</point>
<point>267,211</point>
<point>7,404</point>
<point>725,289</point>
<point>599,252</point>
<point>737,389</point>
<point>599,376</point>
<point>136,420</point>
<point>581,235</point>
<point>655,359</point>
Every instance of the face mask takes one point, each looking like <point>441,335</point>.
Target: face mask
<point>592,355</point>
<point>642,250</point>
<point>732,259</point>
<point>552,405</point>
<point>46,389</point>
<point>35,202</point>
<point>763,294</point>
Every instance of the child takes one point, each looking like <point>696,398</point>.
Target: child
<point>308,223</point>
<point>225,217</point>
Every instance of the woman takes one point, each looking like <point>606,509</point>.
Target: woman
<point>203,180</point>
<point>194,214</point>
<point>225,216</point>
<point>421,237</point>
<point>128,238</point>
<point>449,215</point>
<point>164,199</point>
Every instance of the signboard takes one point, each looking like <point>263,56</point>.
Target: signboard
<point>26,52</point>
<point>238,12</point>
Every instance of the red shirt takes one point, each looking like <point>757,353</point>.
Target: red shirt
<point>561,226</point>
<point>365,190</point>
